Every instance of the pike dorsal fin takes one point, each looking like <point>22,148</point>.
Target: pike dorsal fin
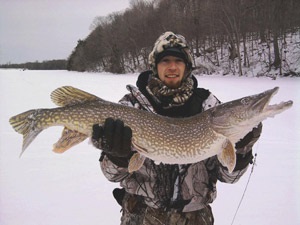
<point>68,95</point>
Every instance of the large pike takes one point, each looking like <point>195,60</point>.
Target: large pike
<point>162,139</point>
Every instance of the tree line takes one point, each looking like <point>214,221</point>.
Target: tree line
<point>121,41</point>
<point>59,64</point>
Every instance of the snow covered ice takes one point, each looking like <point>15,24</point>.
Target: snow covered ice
<point>47,188</point>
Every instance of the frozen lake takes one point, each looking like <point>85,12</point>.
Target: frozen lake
<point>47,188</point>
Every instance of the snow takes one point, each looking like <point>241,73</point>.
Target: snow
<point>47,188</point>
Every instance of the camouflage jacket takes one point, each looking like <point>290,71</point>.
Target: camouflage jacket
<point>184,187</point>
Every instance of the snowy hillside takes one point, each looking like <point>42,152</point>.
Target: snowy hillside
<point>47,188</point>
<point>259,56</point>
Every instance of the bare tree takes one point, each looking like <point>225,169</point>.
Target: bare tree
<point>121,42</point>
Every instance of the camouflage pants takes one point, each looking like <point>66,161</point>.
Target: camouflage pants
<point>158,217</point>
<point>135,213</point>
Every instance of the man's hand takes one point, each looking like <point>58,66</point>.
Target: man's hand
<point>113,138</point>
<point>244,148</point>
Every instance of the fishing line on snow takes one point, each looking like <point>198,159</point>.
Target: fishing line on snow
<point>246,187</point>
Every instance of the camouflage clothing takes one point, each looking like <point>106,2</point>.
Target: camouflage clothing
<point>164,194</point>
<point>199,217</point>
<point>141,214</point>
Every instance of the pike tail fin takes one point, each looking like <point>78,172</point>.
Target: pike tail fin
<point>25,124</point>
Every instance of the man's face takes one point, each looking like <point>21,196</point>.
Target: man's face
<point>171,71</point>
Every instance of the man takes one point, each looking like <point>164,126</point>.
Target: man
<point>166,194</point>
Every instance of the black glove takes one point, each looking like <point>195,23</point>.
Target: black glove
<point>244,148</point>
<point>113,138</point>
<point>246,144</point>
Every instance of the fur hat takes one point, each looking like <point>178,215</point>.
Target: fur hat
<point>170,44</point>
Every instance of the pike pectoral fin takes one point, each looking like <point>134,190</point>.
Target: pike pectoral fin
<point>136,162</point>
<point>227,157</point>
<point>68,139</point>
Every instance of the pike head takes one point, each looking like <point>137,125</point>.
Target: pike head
<point>236,118</point>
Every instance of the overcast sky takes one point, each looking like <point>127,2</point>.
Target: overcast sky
<point>40,30</point>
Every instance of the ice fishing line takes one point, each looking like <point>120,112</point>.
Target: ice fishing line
<point>246,187</point>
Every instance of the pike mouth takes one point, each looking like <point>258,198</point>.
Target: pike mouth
<point>262,104</point>
<point>268,96</point>
<point>281,105</point>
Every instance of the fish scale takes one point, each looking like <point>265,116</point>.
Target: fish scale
<point>162,139</point>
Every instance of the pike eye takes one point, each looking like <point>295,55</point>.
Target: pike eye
<point>245,101</point>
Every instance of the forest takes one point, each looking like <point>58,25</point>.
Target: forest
<point>228,34</point>
<point>57,64</point>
